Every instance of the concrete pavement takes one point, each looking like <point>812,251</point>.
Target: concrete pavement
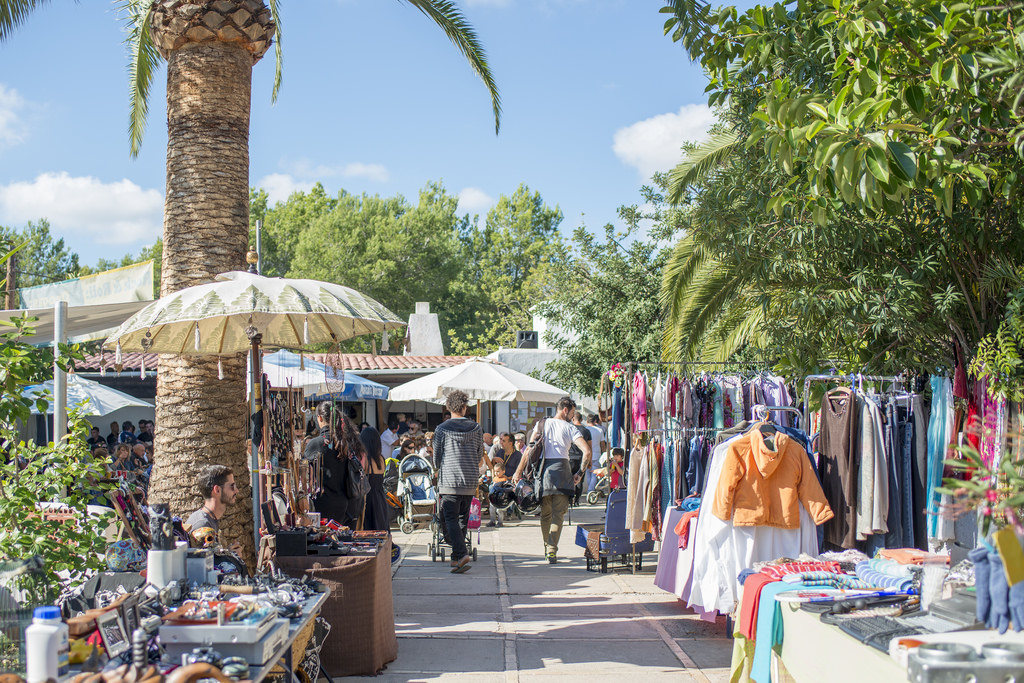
<point>515,618</point>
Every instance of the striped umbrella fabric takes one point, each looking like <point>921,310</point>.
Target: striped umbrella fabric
<point>217,318</point>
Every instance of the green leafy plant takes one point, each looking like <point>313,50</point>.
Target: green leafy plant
<point>70,541</point>
<point>995,492</point>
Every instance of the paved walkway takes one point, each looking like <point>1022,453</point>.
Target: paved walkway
<point>515,618</point>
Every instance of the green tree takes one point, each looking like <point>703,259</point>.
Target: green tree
<point>603,306</point>
<point>859,187</point>
<point>284,223</point>
<point>43,259</point>
<point>509,267</point>
<point>386,248</point>
<point>31,473</point>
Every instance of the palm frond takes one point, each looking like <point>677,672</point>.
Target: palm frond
<point>689,23</point>
<point>13,14</point>
<point>143,59</point>
<point>715,290</point>
<point>711,287</point>
<point>708,157</point>
<point>686,259</point>
<point>461,33</point>
<point>741,324</point>
<point>275,13</point>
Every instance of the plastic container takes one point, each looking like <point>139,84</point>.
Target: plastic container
<point>46,646</point>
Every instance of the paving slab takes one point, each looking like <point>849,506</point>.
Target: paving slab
<point>418,603</point>
<point>454,655</point>
<point>623,627</point>
<point>448,584</point>
<point>581,656</point>
<point>450,624</point>
<point>591,677</point>
<point>710,653</point>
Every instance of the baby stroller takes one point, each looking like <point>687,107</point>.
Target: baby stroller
<point>438,544</point>
<point>601,488</point>
<point>416,491</point>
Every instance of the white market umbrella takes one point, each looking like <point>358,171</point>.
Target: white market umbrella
<point>482,380</point>
<point>221,317</point>
<point>91,398</point>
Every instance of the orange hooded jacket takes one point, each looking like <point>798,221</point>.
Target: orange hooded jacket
<point>764,487</point>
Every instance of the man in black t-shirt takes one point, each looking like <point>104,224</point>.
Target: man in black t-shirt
<point>95,440</point>
<point>145,432</point>
<point>576,455</point>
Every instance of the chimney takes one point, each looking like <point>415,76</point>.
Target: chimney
<point>424,333</point>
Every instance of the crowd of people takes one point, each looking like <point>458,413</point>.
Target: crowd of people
<point>124,450</point>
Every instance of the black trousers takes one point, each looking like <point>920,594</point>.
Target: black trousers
<point>455,513</point>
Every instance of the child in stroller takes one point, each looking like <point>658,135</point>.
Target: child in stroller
<point>416,491</point>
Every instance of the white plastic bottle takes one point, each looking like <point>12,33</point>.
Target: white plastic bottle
<point>46,646</point>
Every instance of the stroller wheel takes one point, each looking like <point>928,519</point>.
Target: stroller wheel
<point>592,497</point>
<point>433,552</point>
<point>474,554</point>
<point>408,527</point>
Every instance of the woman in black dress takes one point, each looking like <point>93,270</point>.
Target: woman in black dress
<point>376,516</point>
<point>338,441</point>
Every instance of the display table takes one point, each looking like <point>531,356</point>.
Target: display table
<point>360,609</point>
<point>813,651</point>
<point>310,611</point>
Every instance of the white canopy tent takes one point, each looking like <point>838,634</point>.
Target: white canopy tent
<point>91,397</point>
<point>482,380</point>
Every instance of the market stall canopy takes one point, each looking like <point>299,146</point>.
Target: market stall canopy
<point>216,318</point>
<point>285,368</point>
<point>92,398</point>
<point>84,323</point>
<point>482,380</point>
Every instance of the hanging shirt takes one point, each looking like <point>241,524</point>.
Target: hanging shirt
<point>838,465</point>
<point>639,403</point>
<point>873,482</point>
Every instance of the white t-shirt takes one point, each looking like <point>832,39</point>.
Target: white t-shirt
<point>596,436</point>
<point>558,436</point>
<point>387,440</point>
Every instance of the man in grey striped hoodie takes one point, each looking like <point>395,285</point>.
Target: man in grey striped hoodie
<point>458,450</point>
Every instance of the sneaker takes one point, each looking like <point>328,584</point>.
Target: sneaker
<point>492,524</point>
<point>461,566</point>
<point>499,524</point>
<point>551,558</point>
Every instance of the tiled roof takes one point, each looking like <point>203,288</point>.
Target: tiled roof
<point>353,361</point>
<point>367,361</point>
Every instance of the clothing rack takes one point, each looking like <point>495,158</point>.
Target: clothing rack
<point>852,378</point>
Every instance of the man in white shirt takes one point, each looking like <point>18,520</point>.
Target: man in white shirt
<point>555,480</point>
<point>389,436</point>
<point>597,446</point>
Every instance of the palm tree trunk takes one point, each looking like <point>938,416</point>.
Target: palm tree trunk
<point>201,419</point>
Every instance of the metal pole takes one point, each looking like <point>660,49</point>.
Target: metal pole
<point>259,247</point>
<point>60,381</point>
<point>254,401</point>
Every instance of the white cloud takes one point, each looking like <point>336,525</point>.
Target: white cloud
<point>280,186</point>
<point>653,144</point>
<point>474,200</point>
<point>108,213</point>
<point>302,174</point>
<point>12,128</point>
<point>377,172</point>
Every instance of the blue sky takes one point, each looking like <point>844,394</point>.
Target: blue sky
<point>374,99</point>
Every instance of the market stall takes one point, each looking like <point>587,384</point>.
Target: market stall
<point>202,605</point>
